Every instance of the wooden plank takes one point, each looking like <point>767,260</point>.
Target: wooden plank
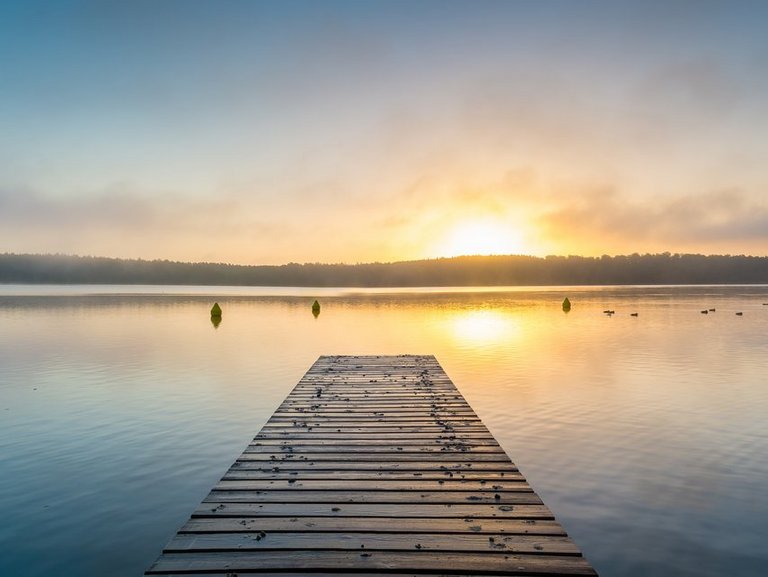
<point>424,418</point>
<point>411,561</point>
<point>524,496</point>
<point>370,449</point>
<point>372,466</point>
<point>442,425</point>
<point>447,456</point>
<point>410,399</point>
<point>339,478</point>
<point>324,574</point>
<point>445,464</point>
<point>373,386</point>
<point>323,440</point>
<point>378,394</point>
<point>334,436</point>
<point>369,484</point>
<point>377,425</point>
<point>430,415</point>
<point>369,524</point>
<point>387,510</point>
<point>372,541</point>
<point>456,467</point>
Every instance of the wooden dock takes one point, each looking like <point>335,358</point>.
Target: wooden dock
<point>372,466</point>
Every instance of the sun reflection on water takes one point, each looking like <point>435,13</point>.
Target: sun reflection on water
<point>485,327</point>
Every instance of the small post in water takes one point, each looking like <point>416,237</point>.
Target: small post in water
<point>216,315</point>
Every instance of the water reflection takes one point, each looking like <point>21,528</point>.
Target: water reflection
<point>624,425</point>
<point>484,327</point>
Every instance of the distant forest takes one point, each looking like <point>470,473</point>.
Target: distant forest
<point>662,268</point>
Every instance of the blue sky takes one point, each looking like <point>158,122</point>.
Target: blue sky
<point>268,132</point>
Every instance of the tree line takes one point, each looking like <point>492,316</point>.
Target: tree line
<point>513,270</point>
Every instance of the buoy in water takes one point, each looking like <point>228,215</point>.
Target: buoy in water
<point>566,304</point>
<point>315,308</point>
<point>216,310</point>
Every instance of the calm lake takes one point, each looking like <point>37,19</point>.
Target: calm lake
<point>646,435</point>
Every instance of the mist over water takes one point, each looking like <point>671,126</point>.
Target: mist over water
<point>120,407</point>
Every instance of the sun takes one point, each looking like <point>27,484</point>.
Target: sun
<point>482,237</point>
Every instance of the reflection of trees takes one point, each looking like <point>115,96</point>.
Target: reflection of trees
<point>662,268</point>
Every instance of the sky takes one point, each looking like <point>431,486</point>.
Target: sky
<point>273,132</point>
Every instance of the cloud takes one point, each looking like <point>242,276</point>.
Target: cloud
<point>118,221</point>
<point>117,207</point>
<point>28,209</point>
<point>601,219</point>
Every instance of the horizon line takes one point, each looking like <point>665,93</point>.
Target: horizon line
<point>369,263</point>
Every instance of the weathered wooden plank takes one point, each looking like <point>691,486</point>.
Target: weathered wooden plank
<point>318,458</point>
<point>438,456</point>
<point>399,414</point>
<point>322,440</point>
<point>371,484</point>
<point>524,496</point>
<point>333,436</point>
<point>393,409</point>
<point>329,393</point>
<point>445,426</point>
<point>369,449</point>
<point>374,386</point>
<point>382,478</point>
<point>340,573</point>
<point>398,406</point>
<point>456,467</point>
<point>371,380</point>
<point>430,425</point>
<point>370,383</point>
<point>415,416</point>
<point>412,398</point>
<point>388,510</point>
<point>416,560</point>
<point>372,541</point>
<point>370,524</point>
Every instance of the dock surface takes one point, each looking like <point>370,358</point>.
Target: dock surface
<point>373,465</point>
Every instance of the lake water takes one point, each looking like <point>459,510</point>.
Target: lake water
<point>646,435</point>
